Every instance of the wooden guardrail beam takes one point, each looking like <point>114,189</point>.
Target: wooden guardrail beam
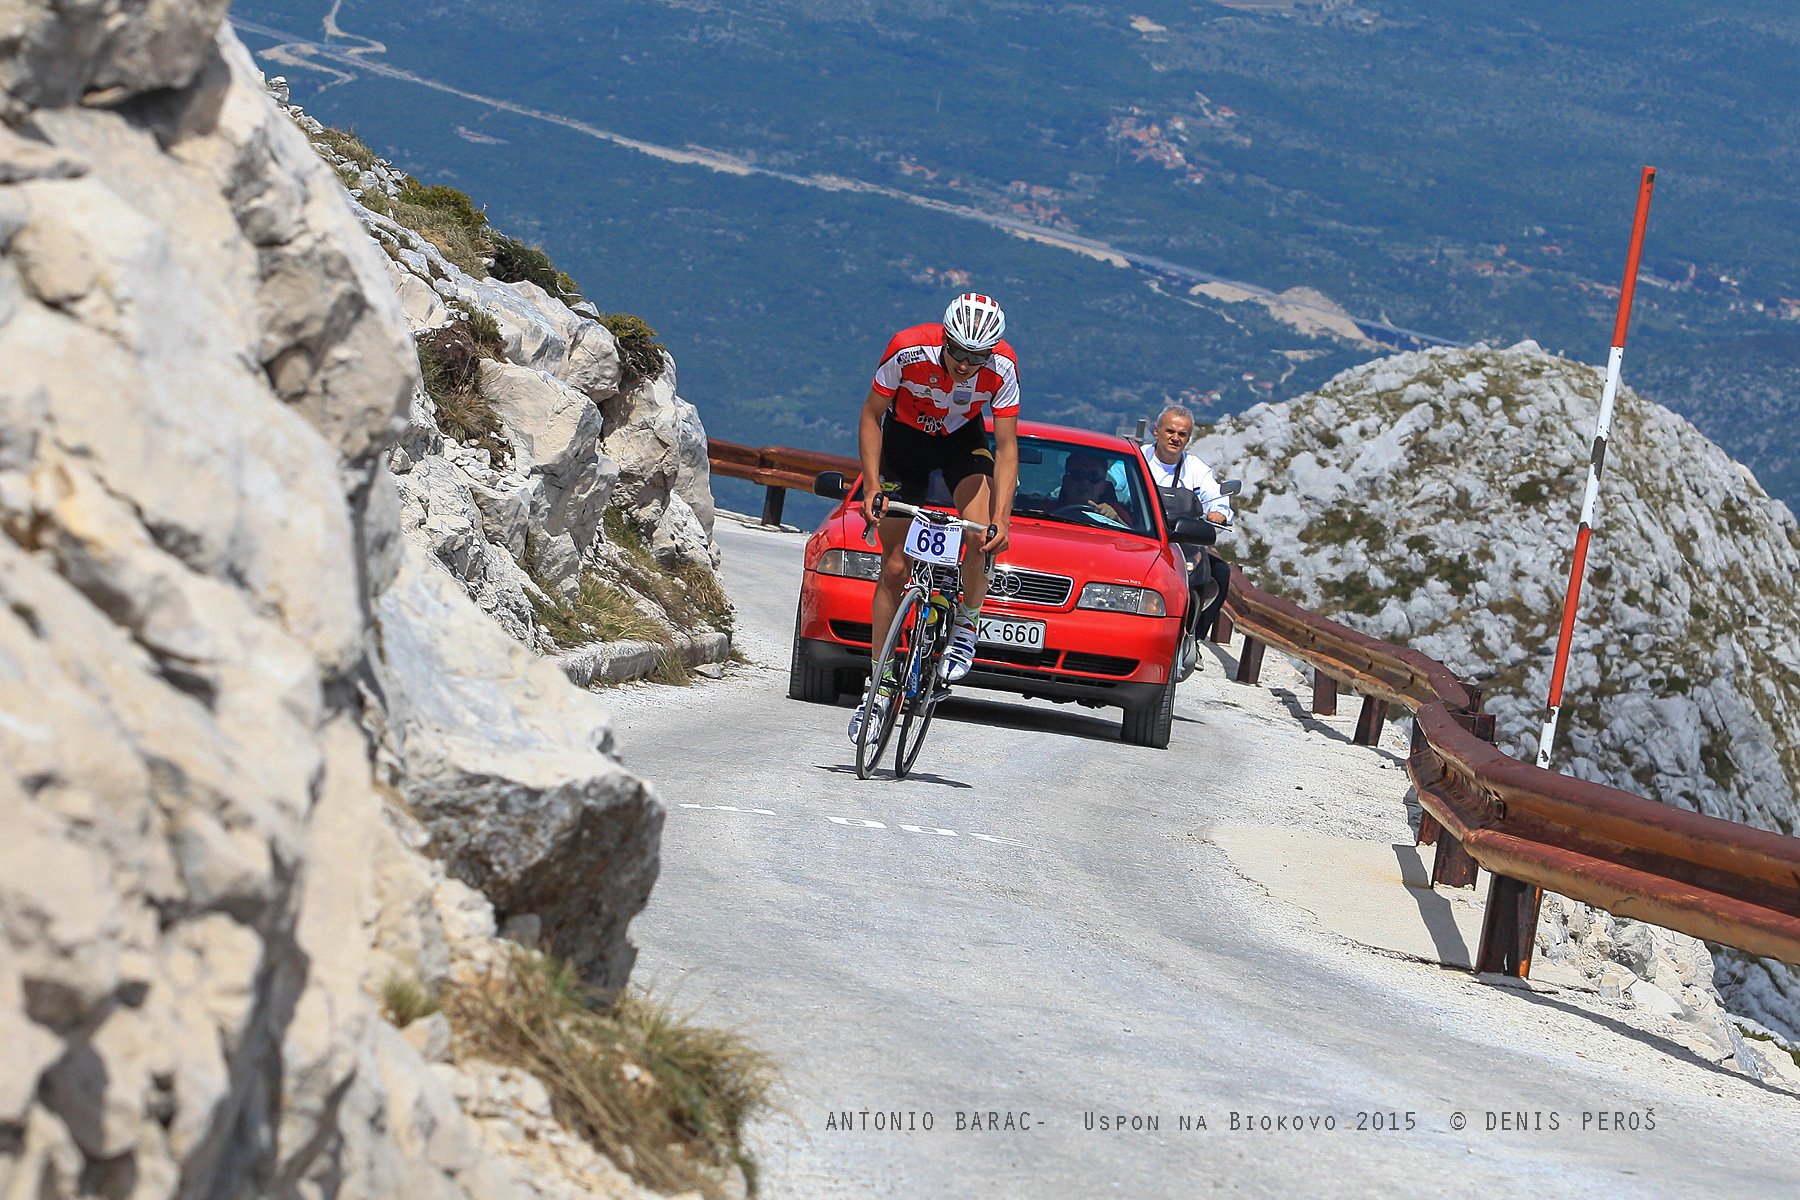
<point>776,468</point>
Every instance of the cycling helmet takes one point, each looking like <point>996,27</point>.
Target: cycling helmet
<point>974,322</point>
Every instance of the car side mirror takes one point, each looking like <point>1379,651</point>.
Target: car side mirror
<point>1193,531</point>
<point>830,484</point>
<point>1178,502</point>
<point>1231,487</point>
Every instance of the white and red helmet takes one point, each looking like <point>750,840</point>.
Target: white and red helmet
<point>974,322</point>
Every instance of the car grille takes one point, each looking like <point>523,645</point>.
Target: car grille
<point>1023,658</point>
<point>1098,664</point>
<point>1031,587</point>
<point>850,631</point>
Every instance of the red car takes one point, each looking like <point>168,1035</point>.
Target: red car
<point>1086,604</point>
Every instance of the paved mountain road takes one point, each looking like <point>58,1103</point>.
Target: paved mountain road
<point>1035,927</point>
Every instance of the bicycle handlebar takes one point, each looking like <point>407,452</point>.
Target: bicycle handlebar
<point>886,507</point>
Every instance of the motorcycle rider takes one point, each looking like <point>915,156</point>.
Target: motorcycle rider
<point>1172,466</point>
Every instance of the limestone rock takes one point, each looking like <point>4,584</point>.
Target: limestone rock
<point>507,772</point>
<point>204,870</point>
<point>660,446</point>
<point>554,432</point>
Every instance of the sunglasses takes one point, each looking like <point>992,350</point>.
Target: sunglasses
<point>974,358</point>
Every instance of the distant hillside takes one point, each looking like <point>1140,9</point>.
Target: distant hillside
<point>1464,168</point>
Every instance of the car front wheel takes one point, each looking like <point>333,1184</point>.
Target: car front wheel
<point>813,684</point>
<point>1149,725</point>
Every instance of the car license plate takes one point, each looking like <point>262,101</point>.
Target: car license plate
<point>1021,635</point>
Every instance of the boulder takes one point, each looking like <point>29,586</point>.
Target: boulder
<point>656,438</point>
<point>440,512</point>
<point>554,432</point>
<point>509,770</point>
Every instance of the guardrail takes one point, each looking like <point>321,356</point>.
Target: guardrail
<point>1532,828</point>
<point>776,467</point>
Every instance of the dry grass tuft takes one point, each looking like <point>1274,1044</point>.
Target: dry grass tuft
<point>672,669</point>
<point>689,593</point>
<point>404,1001</point>
<point>600,613</point>
<point>450,362</point>
<point>664,1098</point>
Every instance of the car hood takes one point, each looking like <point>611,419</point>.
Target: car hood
<point>1087,554</point>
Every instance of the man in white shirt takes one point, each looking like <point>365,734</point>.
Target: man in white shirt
<point>1172,466</point>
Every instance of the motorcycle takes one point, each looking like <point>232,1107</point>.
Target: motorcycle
<point>1181,510</point>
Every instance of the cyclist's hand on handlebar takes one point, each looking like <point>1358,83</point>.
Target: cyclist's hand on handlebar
<point>868,514</point>
<point>1001,535</point>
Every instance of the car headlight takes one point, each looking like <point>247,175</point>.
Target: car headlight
<point>853,564</point>
<point>1118,597</point>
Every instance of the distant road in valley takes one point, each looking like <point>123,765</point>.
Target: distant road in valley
<point>296,51</point>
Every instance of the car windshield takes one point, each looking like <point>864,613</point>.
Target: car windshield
<point>1079,485</point>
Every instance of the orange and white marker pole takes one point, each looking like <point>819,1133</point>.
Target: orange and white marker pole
<point>1596,462</point>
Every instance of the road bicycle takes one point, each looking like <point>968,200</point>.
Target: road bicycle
<point>909,683</point>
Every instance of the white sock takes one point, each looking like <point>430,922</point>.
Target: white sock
<point>972,614</point>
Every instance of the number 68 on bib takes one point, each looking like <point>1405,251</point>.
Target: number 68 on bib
<point>934,543</point>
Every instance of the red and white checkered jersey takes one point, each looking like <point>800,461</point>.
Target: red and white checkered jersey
<point>928,398</point>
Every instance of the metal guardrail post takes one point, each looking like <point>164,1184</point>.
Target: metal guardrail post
<point>773,501</point>
<point>1250,661</point>
<point>1428,824</point>
<point>1324,702</point>
<point>1370,721</point>
<point>1452,866</point>
<point>1509,927</point>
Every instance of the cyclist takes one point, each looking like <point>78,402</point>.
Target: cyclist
<point>923,413</point>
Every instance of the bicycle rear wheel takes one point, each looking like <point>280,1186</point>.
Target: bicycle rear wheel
<point>925,659</point>
<point>886,689</point>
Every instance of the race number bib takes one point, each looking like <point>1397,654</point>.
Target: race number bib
<point>934,543</point>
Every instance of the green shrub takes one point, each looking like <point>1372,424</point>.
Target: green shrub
<point>641,356</point>
<point>663,1097</point>
<point>516,262</point>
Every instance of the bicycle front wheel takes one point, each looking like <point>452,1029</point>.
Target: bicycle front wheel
<point>887,690</point>
<point>923,662</point>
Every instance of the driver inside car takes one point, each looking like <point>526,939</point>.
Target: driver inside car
<point>1085,485</point>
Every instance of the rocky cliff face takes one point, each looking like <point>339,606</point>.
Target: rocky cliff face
<point>1429,499</point>
<point>255,744</point>
<point>510,492</point>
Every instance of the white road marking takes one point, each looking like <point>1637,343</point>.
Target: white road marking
<point>865,823</point>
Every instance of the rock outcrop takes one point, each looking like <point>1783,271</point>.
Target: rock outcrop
<point>1429,499</point>
<point>237,705</point>
<point>520,521</point>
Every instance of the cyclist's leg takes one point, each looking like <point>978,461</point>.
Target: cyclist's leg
<point>907,460</point>
<point>975,501</point>
<point>894,573</point>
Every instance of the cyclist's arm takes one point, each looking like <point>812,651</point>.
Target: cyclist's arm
<point>868,447</point>
<point>1006,479</point>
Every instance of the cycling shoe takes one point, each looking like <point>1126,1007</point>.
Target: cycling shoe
<point>856,719</point>
<point>960,656</point>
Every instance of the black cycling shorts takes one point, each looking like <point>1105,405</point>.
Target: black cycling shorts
<point>909,456</point>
